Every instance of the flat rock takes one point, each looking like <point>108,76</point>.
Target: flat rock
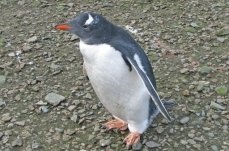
<point>33,39</point>
<point>216,106</point>
<point>17,142</point>
<point>2,102</point>
<point>2,79</point>
<point>184,120</point>
<point>6,117</point>
<point>152,144</point>
<point>54,98</point>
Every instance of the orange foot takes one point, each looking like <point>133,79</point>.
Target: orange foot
<point>131,139</point>
<point>113,124</point>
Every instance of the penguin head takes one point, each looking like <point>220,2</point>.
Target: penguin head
<point>91,28</point>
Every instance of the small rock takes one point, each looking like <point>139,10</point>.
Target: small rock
<point>191,141</point>
<point>183,142</point>
<point>191,135</point>
<point>159,129</point>
<point>205,70</point>
<point>33,39</point>
<point>197,146</point>
<point>221,39</point>
<point>71,107</point>
<point>74,117</point>
<point>54,98</point>
<point>216,106</point>
<point>137,146</point>
<point>184,120</point>
<point>185,93</point>
<point>184,70</point>
<point>88,96</point>
<point>59,130</point>
<point>2,102</point>
<point>6,117</point>
<point>41,103</point>
<point>214,148</point>
<point>190,29</point>
<point>56,67</point>
<point>104,142</point>
<point>2,79</point>
<point>215,117</point>
<point>221,90</point>
<point>223,32</point>
<point>194,25</point>
<point>20,123</point>
<point>74,37</point>
<point>66,137</point>
<point>44,109</point>
<point>152,144</point>
<point>12,54</point>
<point>35,145</point>
<point>17,142</point>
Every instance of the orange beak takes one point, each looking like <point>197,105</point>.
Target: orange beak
<point>62,27</point>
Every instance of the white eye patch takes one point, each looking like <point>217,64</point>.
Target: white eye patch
<point>89,20</point>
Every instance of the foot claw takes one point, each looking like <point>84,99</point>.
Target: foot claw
<point>115,124</point>
<point>131,139</point>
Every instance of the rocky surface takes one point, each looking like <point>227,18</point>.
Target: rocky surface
<point>186,41</point>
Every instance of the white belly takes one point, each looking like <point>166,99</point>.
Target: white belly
<point>122,92</point>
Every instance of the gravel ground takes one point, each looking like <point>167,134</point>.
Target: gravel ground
<point>47,104</point>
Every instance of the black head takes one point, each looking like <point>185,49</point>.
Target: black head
<point>91,28</point>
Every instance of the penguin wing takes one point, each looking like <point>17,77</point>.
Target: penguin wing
<point>136,64</point>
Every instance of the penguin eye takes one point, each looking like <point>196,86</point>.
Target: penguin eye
<point>85,26</point>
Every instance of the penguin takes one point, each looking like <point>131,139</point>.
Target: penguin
<point>120,74</point>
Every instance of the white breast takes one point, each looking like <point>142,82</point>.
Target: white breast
<point>122,92</point>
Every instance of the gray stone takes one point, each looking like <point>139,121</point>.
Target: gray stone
<point>54,98</point>
<point>104,142</point>
<point>216,106</point>
<point>137,146</point>
<point>33,39</point>
<point>184,120</point>
<point>214,148</point>
<point>2,102</point>
<point>11,54</point>
<point>152,144</point>
<point>2,79</point>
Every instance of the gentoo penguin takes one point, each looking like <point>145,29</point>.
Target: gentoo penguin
<point>120,74</point>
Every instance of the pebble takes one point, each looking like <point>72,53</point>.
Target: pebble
<point>183,142</point>
<point>2,102</point>
<point>56,67</point>
<point>137,146</point>
<point>216,106</point>
<point>20,123</point>
<point>104,142</point>
<point>59,130</point>
<point>215,117</point>
<point>12,54</point>
<point>2,79</point>
<point>159,129</point>
<point>17,142</point>
<point>66,137</point>
<point>191,141</point>
<point>6,117</point>
<point>41,103</point>
<point>152,144</point>
<point>184,120</point>
<point>221,90</point>
<point>71,107</point>
<point>74,117</point>
<point>44,109</point>
<point>214,148</point>
<point>54,99</point>
<point>32,39</point>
